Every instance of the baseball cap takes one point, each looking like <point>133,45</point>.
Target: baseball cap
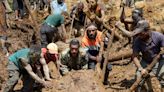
<point>142,26</point>
<point>52,48</point>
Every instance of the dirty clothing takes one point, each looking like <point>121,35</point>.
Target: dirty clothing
<point>50,57</point>
<point>18,55</point>
<point>14,76</point>
<point>79,18</point>
<point>58,8</point>
<point>18,5</point>
<point>149,50</point>
<point>54,20</point>
<point>15,70</point>
<point>49,31</point>
<point>93,48</point>
<point>75,63</point>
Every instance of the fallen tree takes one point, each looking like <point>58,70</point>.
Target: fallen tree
<point>120,55</point>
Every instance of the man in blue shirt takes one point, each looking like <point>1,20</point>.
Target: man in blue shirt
<point>58,6</point>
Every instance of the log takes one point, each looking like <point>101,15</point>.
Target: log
<point>148,68</point>
<point>120,55</point>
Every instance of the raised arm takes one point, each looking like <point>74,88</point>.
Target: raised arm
<point>126,32</point>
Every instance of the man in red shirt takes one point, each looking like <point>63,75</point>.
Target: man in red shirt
<point>50,54</point>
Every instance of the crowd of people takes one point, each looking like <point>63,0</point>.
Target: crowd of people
<point>32,63</point>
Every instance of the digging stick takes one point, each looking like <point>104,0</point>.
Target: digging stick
<point>107,53</point>
<point>148,68</point>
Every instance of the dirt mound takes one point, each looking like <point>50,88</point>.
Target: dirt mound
<point>77,81</point>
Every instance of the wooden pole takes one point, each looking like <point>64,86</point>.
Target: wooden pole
<point>107,53</point>
<point>148,68</point>
<point>71,27</point>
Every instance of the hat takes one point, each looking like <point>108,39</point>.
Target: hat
<point>52,48</point>
<point>142,26</point>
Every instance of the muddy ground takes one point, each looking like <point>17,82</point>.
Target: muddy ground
<point>122,75</point>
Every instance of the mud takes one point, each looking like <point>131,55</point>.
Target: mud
<point>122,75</point>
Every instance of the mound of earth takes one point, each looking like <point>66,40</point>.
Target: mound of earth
<point>77,81</point>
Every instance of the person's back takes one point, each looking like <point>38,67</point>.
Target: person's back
<point>57,8</point>
<point>55,20</point>
<point>23,53</point>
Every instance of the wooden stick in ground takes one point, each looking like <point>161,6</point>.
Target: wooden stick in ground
<point>148,68</point>
<point>35,25</point>
<point>71,27</point>
<point>107,53</point>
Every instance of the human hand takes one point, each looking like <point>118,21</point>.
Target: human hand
<point>47,84</point>
<point>48,79</point>
<point>93,16</point>
<point>118,23</point>
<point>99,58</point>
<point>144,72</point>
